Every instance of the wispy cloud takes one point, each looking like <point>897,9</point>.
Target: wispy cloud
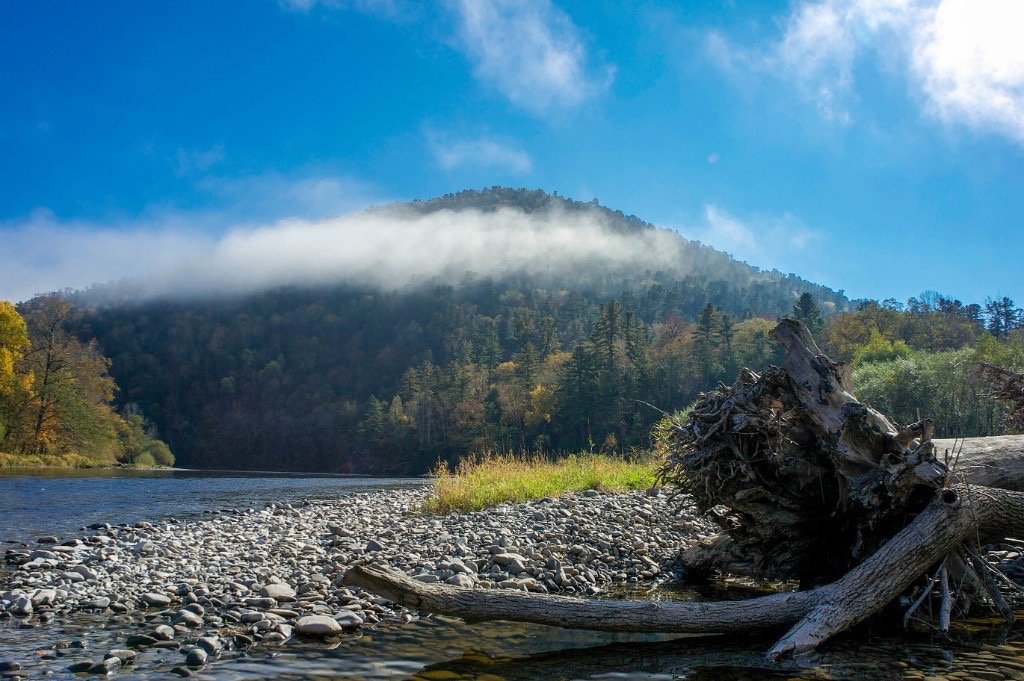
<point>382,8</point>
<point>188,160</point>
<point>969,60</point>
<point>476,152</point>
<point>963,60</point>
<point>167,255</point>
<point>782,242</point>
<point>43,252</point>
<point>272,196</point>
<point>530,51</point>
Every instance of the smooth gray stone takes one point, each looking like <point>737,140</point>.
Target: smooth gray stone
<point>318,625</point>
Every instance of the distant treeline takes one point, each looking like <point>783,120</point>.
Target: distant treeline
<point>364,379</point>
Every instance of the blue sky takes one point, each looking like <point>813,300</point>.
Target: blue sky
<point>876,146</point>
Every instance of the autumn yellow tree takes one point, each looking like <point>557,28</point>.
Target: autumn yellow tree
<point>15,385</point>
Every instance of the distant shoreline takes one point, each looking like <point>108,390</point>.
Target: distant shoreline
<point>29,470</point>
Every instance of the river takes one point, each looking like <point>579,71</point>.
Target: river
<point>60,503</point>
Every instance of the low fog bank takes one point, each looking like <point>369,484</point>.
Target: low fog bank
<point>393,248</point>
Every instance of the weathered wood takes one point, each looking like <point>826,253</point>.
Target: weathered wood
<point>957,514</point>
<point>813,480</point>
<point>996,461</point>
<point>680,617</point>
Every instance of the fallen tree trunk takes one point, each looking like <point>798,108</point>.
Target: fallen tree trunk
<point>996,461</point>
<point>807,483</point>
<point>960,513</point>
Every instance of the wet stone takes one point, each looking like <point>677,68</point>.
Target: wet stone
<point>196,657</point>
<point>107,666</point>
<point>156,600</point>
<point>139,640</point>
<point>318,625</point>
<point>126,656</point>
<point>163,633</point>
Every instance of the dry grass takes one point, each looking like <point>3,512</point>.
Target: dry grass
<point>492,479</point>
<point>70,460</point>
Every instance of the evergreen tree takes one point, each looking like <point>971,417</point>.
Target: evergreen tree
<point>806,310</point>
<point>1003,316</point>
<point>706,333</point>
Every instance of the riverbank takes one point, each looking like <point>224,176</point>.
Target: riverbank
<point>16,462</point>
<point>257,577</point>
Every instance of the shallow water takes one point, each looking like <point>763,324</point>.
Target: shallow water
<point>60,502</point>
<point>429,647</point>
<point>443,648</point>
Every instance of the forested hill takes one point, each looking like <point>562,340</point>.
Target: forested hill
<point>367,377</point>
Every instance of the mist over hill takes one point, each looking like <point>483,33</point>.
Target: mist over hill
<point>383,340</point>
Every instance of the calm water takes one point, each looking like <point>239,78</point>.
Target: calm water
<point>37,503</point>
<point>431,648</point>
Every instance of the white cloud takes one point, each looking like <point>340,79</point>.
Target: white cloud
<point>770,242</point>
<point>969,60</point>
<point>479,152</point>
<point>963,59</point>
<point>530,51</point>
<point>167,256</point>
<point>43,253</point>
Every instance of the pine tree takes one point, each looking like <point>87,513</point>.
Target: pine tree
<point>806,310</point>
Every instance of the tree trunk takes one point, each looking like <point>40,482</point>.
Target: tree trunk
<point>959,513</point>
<point>807,483</point>
<point>996,461</point>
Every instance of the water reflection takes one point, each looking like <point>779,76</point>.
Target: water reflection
<point>443,648</point>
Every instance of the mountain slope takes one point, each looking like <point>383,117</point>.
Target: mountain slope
<point>362,376</point>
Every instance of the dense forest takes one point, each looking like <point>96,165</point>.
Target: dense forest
<point>56,395</point>
<point>359,378</point>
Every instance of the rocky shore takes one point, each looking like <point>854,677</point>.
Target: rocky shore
<point>236,579</point>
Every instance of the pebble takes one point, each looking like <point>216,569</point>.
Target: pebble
<point>318,625</point>
<point>106,666</point>
<point>282,593</point>
<point>126,656</point>
<point>264,574</point>
<point>163,633</point>
<point>139,641</point>
<point>196,657</point>
<point>156,600</point>
<point>210,644</point>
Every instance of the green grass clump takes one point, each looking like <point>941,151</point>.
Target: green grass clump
<point>480,482</point>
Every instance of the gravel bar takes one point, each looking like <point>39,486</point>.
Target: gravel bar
<point>235,579</point>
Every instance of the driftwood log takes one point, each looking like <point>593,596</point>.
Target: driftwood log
<point>807,484</point>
